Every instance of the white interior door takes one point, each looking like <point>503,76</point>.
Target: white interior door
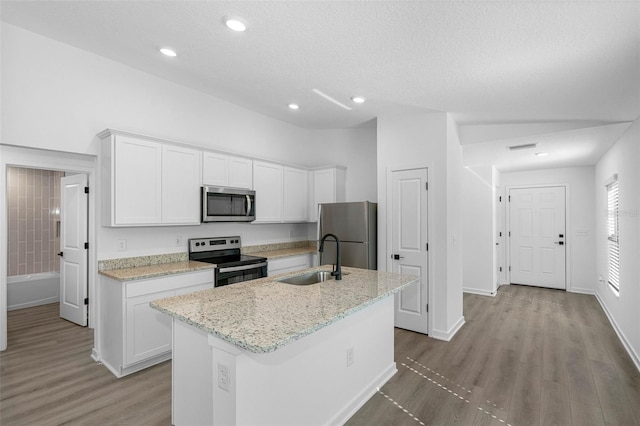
<point>537,236</point>
<point>73,254</point>
<point>408,237</point>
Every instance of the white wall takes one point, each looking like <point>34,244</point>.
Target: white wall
<point>478,230</point>
<point>420,140</point>
<point>623,158</point>
<point>58,97</point>
<point>580,218</point>
<point>454,228</point>
<point>355,147</point>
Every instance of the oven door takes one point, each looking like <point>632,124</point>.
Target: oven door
<point>236,274</point>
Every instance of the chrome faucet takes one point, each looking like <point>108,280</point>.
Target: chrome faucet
<point>337,268</point>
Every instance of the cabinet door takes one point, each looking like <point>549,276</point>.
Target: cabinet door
<point>267,182</point>
<point>329,186</point>
<point>180,185</point>
<point>148,331</point>
<point>295,195</point>
<point>137,181</point>
<point>240,172</point>
<point>215,169</point>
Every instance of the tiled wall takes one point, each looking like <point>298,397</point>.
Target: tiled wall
<point>33,200</point>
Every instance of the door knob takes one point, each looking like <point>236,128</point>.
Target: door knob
<point>397,257</point>
<point>559,243</point>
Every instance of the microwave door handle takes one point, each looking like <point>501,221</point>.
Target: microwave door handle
<point>248,205</point>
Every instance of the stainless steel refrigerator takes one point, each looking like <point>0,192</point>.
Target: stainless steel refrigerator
<point>356,226</point>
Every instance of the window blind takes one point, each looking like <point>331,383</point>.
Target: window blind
<point>613,251</point>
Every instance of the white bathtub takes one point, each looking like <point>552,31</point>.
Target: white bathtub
<point>24,291</point>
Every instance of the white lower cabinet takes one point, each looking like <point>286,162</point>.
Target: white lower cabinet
<point>148,331</point>
<point>289,264</point>
<point>133,335</point>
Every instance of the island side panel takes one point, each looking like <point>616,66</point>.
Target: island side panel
<point>192,375</point>
<point>308,381</point>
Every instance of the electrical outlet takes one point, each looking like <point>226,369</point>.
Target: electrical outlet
<point>122,245</point>
<point>350,358</point>
<point>179,240</point>
<point>223,377</point>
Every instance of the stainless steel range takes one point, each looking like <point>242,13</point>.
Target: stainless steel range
<point>231,266</point>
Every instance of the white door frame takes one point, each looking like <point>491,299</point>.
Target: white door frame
<point>389,230</point>
<point>47,160</point>
<point>567,221</point>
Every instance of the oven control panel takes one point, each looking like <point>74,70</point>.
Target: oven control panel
<point>215,243</point>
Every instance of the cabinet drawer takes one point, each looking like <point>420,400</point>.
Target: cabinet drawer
<point>289,264</point>
<point>168,282</point>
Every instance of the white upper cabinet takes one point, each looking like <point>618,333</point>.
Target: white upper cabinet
<point>296,195</point>
<point>180,185</point>
<point>329,186</point>
<point>147,182</point>
<point>225,170</point>
<point>133,195</point>
<point>240,172</point>
<point>267,182</point>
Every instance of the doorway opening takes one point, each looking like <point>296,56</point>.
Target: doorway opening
<point>33,237</point>
<point>51,161</point>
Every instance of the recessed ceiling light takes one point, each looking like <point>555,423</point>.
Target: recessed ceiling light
<point>168,52</point>
<point>235,24</point>
<point>294,106</point>
<point>358,99</point>
<point>541,154</point>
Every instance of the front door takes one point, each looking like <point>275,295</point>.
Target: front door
<point>73,253</point>
<point>408,236</point>
<point>537,236</point>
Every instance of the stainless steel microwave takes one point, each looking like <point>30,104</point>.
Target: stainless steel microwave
<point>222,204</point>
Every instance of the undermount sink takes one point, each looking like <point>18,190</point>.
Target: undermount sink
<point>309,278</point>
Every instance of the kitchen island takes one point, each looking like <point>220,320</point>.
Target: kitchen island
<point>266,352</point>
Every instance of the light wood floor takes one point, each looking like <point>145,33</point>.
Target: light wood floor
<point>527,356</point>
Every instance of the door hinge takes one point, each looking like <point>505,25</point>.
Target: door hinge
<point>500,198</point>
<point>501,234</point>
<point>86,245</point>
<point>509,268</point>
<point>426,186</point>
<point>86,300</point>
<point>509,233</point>
<point>501,269</point>
<point>427,246</point>
<point>427,307</point>
<point>86,189</point>
<point>509,198</point>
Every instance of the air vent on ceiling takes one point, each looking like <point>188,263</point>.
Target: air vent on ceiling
<point>518,147</point>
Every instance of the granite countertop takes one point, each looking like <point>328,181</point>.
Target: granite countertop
<point>287,252</point>
<point>263,315</point>
<point>157,270</point>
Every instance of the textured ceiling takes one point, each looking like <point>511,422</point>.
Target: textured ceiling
<point>486,62</point>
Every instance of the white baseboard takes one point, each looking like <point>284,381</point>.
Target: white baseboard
<point>625,342</point>
<point>448,335</point>
<point>579,290</point>
<point>479,291</point>
<point>354,405</point>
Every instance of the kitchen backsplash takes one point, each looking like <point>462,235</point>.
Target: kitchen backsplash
<point>277,246</point>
